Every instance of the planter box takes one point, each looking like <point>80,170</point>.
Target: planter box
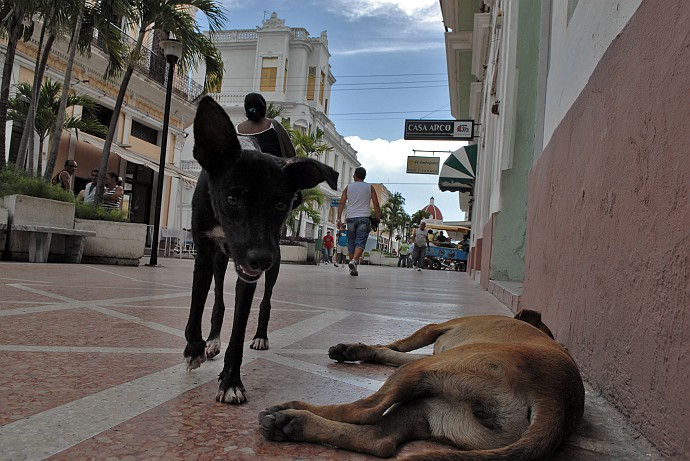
<point>311,252</point>
<point>379,259</point>
<point>293,254</point>
<point>35,211</point>
<point>117,243</point>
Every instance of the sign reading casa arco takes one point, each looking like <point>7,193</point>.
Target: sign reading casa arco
<point>440,130</point>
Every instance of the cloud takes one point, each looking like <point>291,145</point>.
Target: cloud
<point>390,26</point>
<point>419,10</point>
<point>397,48</point>
<point>386,162</point>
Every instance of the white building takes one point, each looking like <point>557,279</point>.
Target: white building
<point>291,70</point>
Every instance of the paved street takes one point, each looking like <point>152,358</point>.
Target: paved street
<point>91,360</point>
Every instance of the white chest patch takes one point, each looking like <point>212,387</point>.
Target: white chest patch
<point>217,234</point>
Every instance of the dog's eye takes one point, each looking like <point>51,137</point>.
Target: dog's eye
<point>232,200</point>
<point>281,206</point>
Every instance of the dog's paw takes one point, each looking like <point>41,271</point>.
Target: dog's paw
<point>195,354</point>
<point>212,348</point>
<point>259,344</point>
<point>194,362</point>
<point>281,426</point>
<point>349,352</point>
<point>233,395</point>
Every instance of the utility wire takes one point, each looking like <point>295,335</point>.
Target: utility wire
<point>387,112</point>
<point>388,75</point>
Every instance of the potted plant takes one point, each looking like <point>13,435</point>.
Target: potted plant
<point>32,201</point>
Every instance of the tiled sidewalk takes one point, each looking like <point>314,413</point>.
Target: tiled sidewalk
<point>91,360</point>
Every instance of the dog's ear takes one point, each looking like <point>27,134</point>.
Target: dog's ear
<point>534,319</point>
<point>529,316</point>
<point>304,173</point>
<point>215,138</point>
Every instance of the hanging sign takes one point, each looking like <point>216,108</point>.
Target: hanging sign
<point>423,165</point>
<point>440,130</point>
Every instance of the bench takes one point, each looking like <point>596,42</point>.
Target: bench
<point>39,241</point>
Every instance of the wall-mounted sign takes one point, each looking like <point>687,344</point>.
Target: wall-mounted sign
<point>335,202</point>
<point>440,130</point>
<point>423,165</point>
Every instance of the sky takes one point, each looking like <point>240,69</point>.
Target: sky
<point>389,61</point>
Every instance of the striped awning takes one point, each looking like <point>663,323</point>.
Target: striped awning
<point>457,172</point>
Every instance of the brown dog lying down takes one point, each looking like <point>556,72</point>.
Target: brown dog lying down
<point>499,388</point>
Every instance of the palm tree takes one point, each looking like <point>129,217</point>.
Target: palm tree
<point>309,197</point>
<point>393,215</point>
<point>53,16</point>
<point>48,102</point>
<point>174,16</point>
<point>90,17</point>
<point>417,217</point>
<point>310,144</point>
<point>273,111</point>
<point>13,15</point>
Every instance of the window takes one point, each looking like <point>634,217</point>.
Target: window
<point>323,81</point>
<point>144,132</point>
<point>311,82</point>
<point>100,114</point>
<point>285,77</point>
<point>269,74</point>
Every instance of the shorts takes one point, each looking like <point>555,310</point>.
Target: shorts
<point>357,233</point>
<point>342,249</point>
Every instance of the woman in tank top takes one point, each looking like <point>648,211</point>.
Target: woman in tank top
<point>112,197</point>
<point>271,136</point>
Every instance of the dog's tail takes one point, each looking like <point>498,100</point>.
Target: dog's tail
<point>542,437</point>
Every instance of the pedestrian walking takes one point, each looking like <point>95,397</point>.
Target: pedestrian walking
<point>341,245</point>
<point>358,195</point>
<point>327,247</point>
<point>419,246</point>
<point>402,257</point>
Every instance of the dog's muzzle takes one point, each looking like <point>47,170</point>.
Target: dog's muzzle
<point>256,262</point>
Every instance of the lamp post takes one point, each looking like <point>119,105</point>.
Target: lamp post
<point>172,49</point>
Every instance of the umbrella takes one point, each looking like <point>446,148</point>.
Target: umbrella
<point>457,172</point>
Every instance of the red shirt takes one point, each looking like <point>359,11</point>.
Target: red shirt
<point>328,241</point>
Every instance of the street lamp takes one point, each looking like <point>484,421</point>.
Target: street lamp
<point>172,49</point>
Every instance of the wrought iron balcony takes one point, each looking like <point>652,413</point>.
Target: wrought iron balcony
<point>153,65</point>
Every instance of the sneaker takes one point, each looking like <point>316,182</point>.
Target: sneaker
<point>353,268</point>
<point>419,269</point>
<point>335,264</point>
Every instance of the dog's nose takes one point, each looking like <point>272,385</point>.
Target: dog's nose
<point>259,260</point>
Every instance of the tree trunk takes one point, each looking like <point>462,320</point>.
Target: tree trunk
<point>110,137</point>
<point>39,164</point>
<point>54,143</point>
<point>299,224</point>
<point>116,115</point>
<point>15,33</point>
<point>26,146</point>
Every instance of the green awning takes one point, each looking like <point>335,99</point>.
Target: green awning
<point>457,172</point>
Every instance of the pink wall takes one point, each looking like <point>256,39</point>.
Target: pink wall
<point>608,237</point>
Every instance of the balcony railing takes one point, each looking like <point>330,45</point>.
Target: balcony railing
<point>190,165</point>
<point>154,66</point>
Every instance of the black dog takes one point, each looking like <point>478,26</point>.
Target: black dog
<point>240,204</point>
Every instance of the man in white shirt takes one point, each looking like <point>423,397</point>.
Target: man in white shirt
<point>90,189</point>
<point>358,195</point>
<point>419,246</point>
